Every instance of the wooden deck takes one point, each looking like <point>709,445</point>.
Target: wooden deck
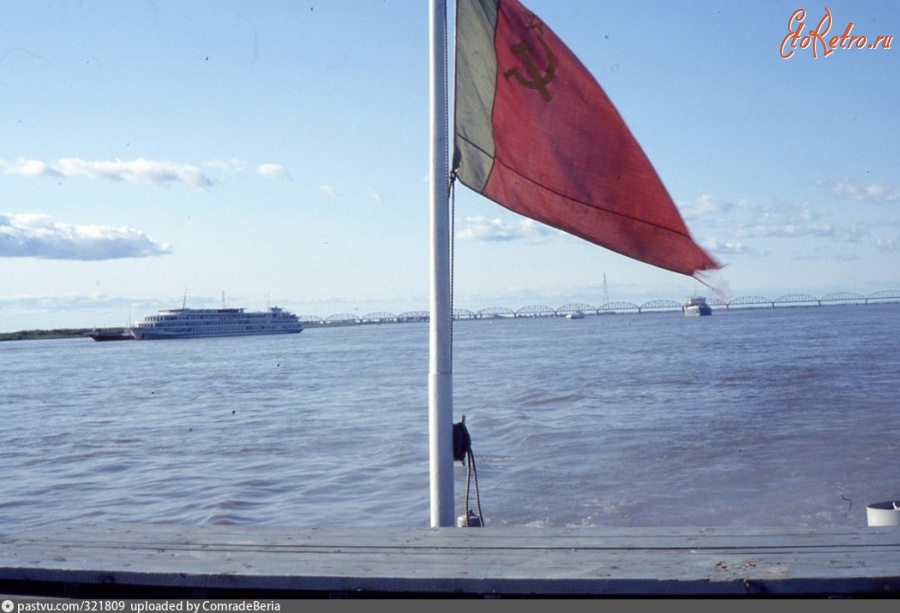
<point>176,561</point>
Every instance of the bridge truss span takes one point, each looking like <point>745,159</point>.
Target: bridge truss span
<point>751,301</point>
<point>536,311</point>
<point>845,297</point>
<point>495,313</point>
<point>413,316</point>
<point>797,300</point>
<point>379,318</point>
<point>616,307</point>
<point>890,295</point>
<point>662,305</point>
<point>569,309</point>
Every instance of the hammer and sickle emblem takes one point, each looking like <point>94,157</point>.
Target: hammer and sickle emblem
<point>535,79</point>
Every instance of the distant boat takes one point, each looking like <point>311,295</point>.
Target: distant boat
<point>697,306</point>
<point>575,315</point>
<point>204,323</point>
<point>111,335</point>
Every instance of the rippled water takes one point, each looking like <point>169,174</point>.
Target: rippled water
<point>756,417</point>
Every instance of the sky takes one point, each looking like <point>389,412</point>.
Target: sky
<point>160,153</point>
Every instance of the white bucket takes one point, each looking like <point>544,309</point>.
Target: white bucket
<point>884,513</point>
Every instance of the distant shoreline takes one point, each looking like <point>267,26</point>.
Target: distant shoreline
<point>34,335</point>
<point>490,314</point>
<point>61,333</point>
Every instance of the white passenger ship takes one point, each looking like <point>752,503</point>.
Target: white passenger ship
<point>202,323</point>
<point>697,306</point>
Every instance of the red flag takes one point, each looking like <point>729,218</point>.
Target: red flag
<point>536,133</point>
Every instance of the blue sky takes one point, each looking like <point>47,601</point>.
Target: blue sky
<point>278,152</point>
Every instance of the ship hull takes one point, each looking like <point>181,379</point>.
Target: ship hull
<point>104,336</point>
<point>148,335</point>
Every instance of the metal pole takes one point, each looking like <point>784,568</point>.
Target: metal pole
<point>440,373</point>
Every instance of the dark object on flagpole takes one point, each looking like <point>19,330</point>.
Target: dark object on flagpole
<point>462,452</point>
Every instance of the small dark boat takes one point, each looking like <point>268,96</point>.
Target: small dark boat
<point>111,335</point>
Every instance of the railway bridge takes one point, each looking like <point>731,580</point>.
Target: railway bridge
<point>609,308</point>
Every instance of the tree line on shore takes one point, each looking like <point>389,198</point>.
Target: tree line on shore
<point>33,335</point>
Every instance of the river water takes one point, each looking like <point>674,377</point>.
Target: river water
<point>751,417</point>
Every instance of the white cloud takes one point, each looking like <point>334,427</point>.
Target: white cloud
<point>705,205</point>
<point>39,236</point>
<point>374,195</point>
<point>887,244</point>
<point>139,171</point>
<point>770,228</point>
<point>327,191</point>
<point>728,247</point>
<point>483,229</point>
<point>29,168</point>
<point>784,220</point>
<point>873,192</point>
<point>777,227</point>
<point>232,165</point>
<point>273,171</point>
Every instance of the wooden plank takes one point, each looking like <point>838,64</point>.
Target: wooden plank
<point>475,561</point>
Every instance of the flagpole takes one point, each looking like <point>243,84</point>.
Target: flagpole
<point>440,374</point>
